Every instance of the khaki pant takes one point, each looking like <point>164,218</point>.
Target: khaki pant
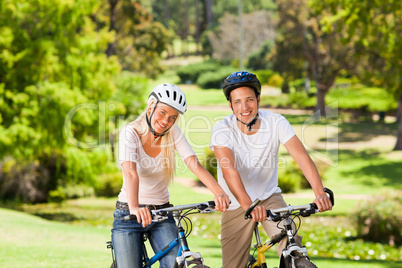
<point>237,233</point>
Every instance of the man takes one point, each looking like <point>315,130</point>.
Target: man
<point>246,145</point>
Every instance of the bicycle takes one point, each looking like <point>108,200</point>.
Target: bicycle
<point>185,257</point>
<point>293,256</point>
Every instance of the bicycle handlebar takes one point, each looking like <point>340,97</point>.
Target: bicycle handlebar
<point>204,207</point>
<point>305,210</point>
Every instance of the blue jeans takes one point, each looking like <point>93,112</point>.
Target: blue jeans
<point>127,240</point>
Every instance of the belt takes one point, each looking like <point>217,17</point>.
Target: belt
<point>124,206</point>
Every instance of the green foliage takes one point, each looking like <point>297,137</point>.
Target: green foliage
<point>375,30</point>
<point>190,73</point>
<point>275,80</point>
<point>109,184</point>
<point>379,219</point>
<point>291,177</point>
<point>210,162</point>
<point>60,92</point>
<point>264,75</point>
<point>375,99</point>
<point>70,192</point>
<point>214,79</point>
<point>138,40</point>
<point>257,60</point>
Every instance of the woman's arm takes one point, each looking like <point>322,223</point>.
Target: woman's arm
<point>221,198</point>
<point>302,158</point>
<point>132,188</point>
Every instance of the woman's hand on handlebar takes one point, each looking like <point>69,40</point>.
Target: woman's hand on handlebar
<point>259,214</point>
<point>221,202</point>
<point>323,202</point>
<point>143,215</point>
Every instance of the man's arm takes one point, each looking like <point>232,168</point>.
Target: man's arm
<point>232,177</point>
<point>302,158</point>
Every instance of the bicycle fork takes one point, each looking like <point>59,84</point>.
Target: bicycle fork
<point>292,250</point>
<point>186,257</point>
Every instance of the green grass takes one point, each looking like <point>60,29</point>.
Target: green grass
<point>29,241</point>
<point>75,232</point>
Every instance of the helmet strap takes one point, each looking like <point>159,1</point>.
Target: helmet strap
<point>249,125</point>
<point>156,135</point>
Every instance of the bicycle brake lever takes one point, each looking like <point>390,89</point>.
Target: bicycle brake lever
<point>271,216</point>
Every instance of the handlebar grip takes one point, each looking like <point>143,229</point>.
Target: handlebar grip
<point>130,217</point>
<point>211,203</point>
<point>331,195</point>
<point>248,211</point>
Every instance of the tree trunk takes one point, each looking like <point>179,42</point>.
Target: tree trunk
<point>197,26</point>
<point>208,12</point>
<point>321,93</point>
<point>111,47</point>
<point>398,145</point>
<point>399,111</point>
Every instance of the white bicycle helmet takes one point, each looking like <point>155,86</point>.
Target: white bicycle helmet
<point>170,95</point>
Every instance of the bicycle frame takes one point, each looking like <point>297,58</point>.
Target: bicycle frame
<point>185,256</point>
<point>261,249</point>
<point>292,249</point>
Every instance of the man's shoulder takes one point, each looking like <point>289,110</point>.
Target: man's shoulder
<point>266,114</point>
<point>227,121</point>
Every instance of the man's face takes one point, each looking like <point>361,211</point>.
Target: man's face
<point>244,103</point>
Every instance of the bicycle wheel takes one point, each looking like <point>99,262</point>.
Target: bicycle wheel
<point>304,262</point>
<point>300,262</point>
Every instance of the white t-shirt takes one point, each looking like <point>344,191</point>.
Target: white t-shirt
<point>256,155</point>
<point>153,189</point>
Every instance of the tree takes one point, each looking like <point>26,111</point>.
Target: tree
<point>303,33</point>
<point>138,40</point>
<point>374,27</point>
<point>52,59</point>
<point>258,27</point>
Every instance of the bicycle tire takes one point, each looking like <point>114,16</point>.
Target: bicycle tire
<point>300,262</point>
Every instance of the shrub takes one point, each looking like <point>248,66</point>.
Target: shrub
<point>214,79</point>
<point>109,184</point>
<point>263,76</point>
<point>190,73</point>
<point>210,162</point>
<point>70,192</point>
<point>25,182</point>
<point>275,80</point>
<point>379,219</point>
<point>289,177</point>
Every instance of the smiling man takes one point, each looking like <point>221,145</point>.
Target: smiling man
<point>246,145</point>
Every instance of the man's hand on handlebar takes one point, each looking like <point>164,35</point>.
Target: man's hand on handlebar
<point>323,201</point>
<point>259,214</point>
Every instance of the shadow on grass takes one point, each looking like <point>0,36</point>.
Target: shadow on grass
<point>57,216</point>
<point>374,166</point>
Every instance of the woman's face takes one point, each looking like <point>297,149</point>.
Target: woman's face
<point>163,118</point>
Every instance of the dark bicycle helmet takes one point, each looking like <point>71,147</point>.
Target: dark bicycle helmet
<point>241,79</point>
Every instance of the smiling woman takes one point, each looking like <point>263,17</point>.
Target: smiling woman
<point>147,159</point>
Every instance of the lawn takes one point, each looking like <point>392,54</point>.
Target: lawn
<point>359,161</point>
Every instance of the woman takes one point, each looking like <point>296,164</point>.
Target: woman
<point>147,159</point>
